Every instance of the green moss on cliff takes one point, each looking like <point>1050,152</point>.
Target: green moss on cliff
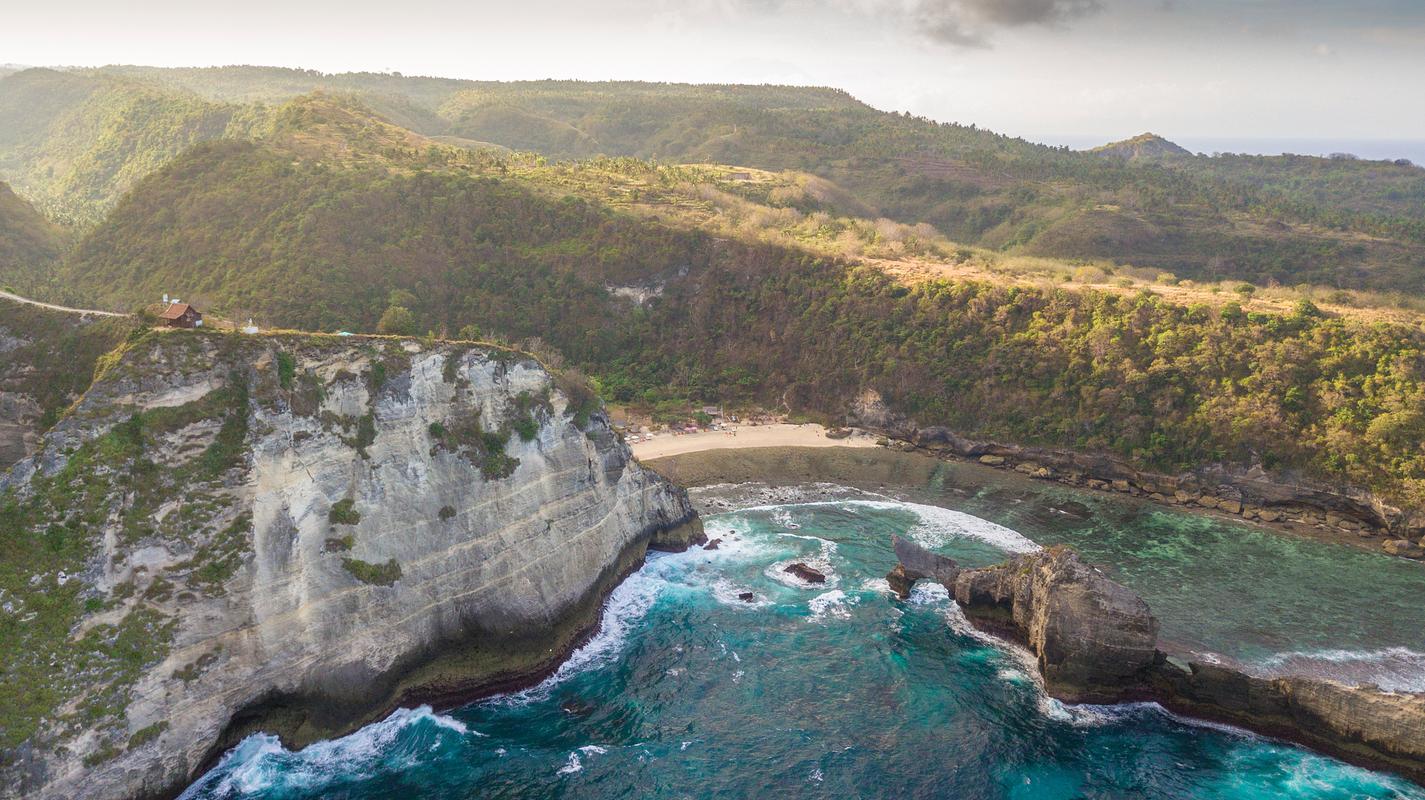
<point>343,512</point>
<point>69,646</point>
<point>375,574</point>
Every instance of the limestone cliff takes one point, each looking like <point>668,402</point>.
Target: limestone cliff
<point>1094,639</point>
<point>296,534</point>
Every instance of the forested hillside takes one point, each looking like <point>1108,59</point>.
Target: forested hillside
<point>29,243</point>
<point>1285,221</point>
<point>414,238</point>
<point>72,144</point>
<point>875,251</point>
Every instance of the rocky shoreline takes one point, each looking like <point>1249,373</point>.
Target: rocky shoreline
<point>1343,513</point>
<point>449,680</point>
<point>1096,641</point>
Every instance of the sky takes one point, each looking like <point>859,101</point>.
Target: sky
<point>1062,71</point>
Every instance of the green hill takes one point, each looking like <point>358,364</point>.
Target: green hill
<point>1270,221</point>
<point>29,244</point>
<point>1143,147</point>
<point>72,143</point>
<point>335,218</point>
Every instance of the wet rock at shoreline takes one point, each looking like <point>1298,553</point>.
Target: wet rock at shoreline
<point>916,563</point>
<point>1094,639</point>
<point>805,572</point>
<point>1403,548</point>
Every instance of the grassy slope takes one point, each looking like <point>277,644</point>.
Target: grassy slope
<point>1328,223</point>
<point>29,243</point>
<point>342,215</point>
<point>54,361</point>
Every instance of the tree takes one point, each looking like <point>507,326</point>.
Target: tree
<point>397,320</point>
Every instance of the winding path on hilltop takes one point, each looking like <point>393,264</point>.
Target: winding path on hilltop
<point>67,309</point>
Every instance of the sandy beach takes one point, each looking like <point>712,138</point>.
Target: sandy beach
<point>780,435</point>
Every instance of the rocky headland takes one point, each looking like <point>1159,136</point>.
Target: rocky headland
<point>298,534</point>
<point>1095,640</point>
<point>1252,494</point>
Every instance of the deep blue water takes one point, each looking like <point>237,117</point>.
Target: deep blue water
<point>838,690</point>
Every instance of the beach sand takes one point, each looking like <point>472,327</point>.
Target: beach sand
<point>780,435</point>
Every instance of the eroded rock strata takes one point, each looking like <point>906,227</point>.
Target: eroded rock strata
<point>296,535</point>
<point>1096,641</point>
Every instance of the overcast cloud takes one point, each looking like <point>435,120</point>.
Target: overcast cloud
<point>1043,69</point>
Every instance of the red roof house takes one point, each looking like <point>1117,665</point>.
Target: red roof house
<point>181,315</point>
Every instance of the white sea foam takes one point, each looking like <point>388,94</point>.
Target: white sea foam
<point>877,585</point>
<point>571,766</point>
<point>784,518</point>
<point>626,606</point>
<point>926,593</point>
<point>730,594</point>
<point>260,762</point>
<point>1394,669</point>
<point>593,749</point>
<point>936,526</point>
<point>834,604</point>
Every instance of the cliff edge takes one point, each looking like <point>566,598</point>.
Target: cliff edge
<point>297,534</point>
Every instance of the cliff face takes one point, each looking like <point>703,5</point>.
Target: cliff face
<point>46,360</point>
<point>1094,639</point>
<point>296,534</point>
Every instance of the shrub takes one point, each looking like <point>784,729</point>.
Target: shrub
<point>374,574</point>
<point>286,369</point>
<point>397,320</point>
<point>343,512</point>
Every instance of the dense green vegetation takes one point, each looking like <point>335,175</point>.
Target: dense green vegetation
<point>72,144</point>
<point>665,284</point>
<point>29,244</point>
<point>1168,386</point>
<point>1289,221</point>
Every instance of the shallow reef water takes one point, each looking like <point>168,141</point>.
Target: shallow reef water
<point>837,690</point>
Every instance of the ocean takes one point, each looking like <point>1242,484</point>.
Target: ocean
<point>839,690</point>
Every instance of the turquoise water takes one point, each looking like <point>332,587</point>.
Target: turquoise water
<point>829,691</point>
<point>1269,602</point>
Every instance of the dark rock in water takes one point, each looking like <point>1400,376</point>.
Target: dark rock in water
<point>919,562</point>
<point>712,544</point>
<point>805,573</point>
<point>1094,639</point>
<point>746,597</point>
<point>916,563</point>
<point>901,581</point>
<point>1073,508</point>
<point>675,536</point>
